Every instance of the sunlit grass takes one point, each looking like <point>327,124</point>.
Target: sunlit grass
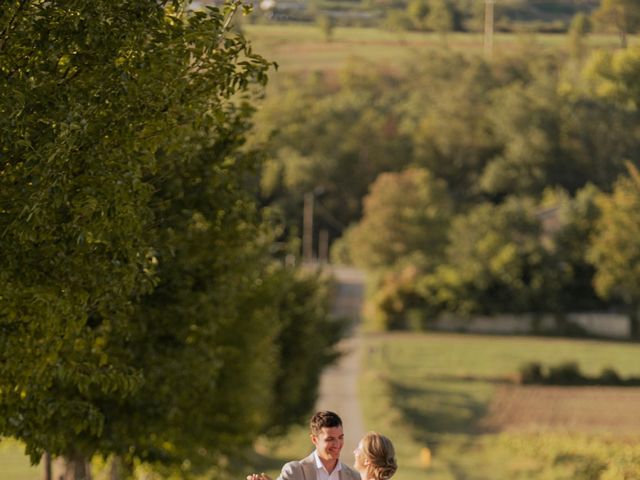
<point>428,391</point>
<point>14,464</point>
<point>299,47</point>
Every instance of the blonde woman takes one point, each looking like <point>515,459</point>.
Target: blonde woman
<point>375,457</point>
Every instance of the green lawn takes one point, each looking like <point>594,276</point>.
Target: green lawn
<point>427,393</point>
<point>430,390</point>
<point>303,48</point>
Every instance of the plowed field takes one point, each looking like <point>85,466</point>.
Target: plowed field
<point>569,409</point>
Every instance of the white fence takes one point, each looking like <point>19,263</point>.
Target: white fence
<point>611,325</point>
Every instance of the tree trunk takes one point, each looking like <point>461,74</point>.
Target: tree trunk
<point>115,468</point>
<point>46,461</point>
<point>623,38</point>
<point>75,467</point>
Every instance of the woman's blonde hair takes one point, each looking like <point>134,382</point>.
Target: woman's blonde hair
<point>379,450</point>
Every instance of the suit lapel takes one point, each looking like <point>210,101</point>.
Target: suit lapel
<point>309,468</point>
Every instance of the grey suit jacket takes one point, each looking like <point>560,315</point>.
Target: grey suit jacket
<point>305,469</point>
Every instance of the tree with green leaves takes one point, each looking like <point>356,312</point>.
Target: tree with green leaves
<point>327,25</point>
<point>614,77</point>
<point>405,214</point>
<point>567,221</point>
<point>142,315</point>
<point>331,136</point>
<point>493,264</point>
<point>623,15</point>
<point>578,30</point>
<point>615,251</point>
<point>440,18</point>
<point>526,120</point>
<point>417,12</point>
<point>458,149</point>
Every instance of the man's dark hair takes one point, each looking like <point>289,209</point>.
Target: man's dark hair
<point>324,419</point>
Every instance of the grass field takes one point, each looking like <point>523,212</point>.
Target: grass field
<point>430,393</point>
<point>14,464</point>
<point>304,48</point>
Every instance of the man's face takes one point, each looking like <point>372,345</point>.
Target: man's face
<point>329,442</point>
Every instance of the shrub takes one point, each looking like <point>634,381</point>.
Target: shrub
<point>531,373</point>
<point>567,373</point>
<point>609,377</point>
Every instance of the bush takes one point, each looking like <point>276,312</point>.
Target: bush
<point>567,373</point>
<point>609,377</point>
<point>531,373</point>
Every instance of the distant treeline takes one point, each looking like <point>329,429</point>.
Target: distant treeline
<point>459,15</point>
<point>469,186</point>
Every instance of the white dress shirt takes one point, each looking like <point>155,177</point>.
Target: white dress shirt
<point>321,472</point>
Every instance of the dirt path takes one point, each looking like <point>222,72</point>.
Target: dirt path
<point>339,383</point>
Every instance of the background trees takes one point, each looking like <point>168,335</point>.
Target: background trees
<point>615,252</point>
<point>406,214</point>
<point>527,130</point>
<point>622,15</point>
<point>329,134</point>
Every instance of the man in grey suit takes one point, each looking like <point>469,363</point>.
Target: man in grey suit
<point>324,462</point>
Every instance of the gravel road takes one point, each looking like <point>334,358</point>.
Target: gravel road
<point>339,383</point>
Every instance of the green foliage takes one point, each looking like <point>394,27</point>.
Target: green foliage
<point>440,18</point>
<point>621,15</point>
<point>486,132</point>
<point>405,214</point>
<point>530,372</point>
<point>74,205</point>
<point>527,121</point>
<point>137,275</point>
<point>569,373</point>
<point>568,223</point>
<point>519,256</point>
<point>430,391</point>
<point>581,24</point>
<point>578,30</point>
<point>396,303</point>
<point>327,24</point>
<point>417,11</point>
<point>305,344</point>
<point>614,250</point>
<point>328,136</point>
<point>455,150</point>
<point>494,262</point>
<point>614,77</point>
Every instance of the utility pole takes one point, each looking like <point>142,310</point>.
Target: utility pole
<point>488,28</point>
<point>307,228</point>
